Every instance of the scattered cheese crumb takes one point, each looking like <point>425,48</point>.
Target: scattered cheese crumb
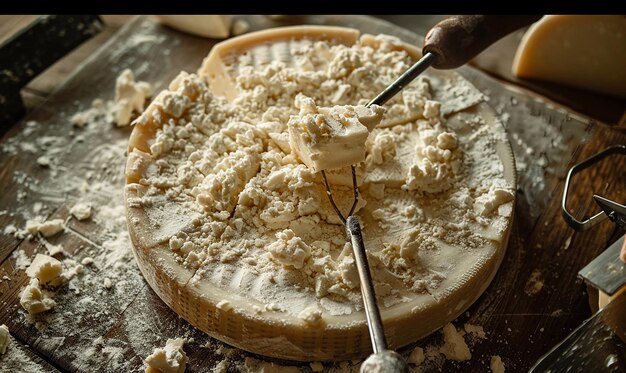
<point>316,366</point>
<point>417,356</point>
<point>130,97</point>
<point>35,300</point>
<point>496,365</point>
<point>224,305</point>
<point>4,339</point>
<point>46,269</point>
<point>454,347</point>
<point>81,211</point>
<point>169,359</point>
<point>311,316</point>
<point>476,330</point>
<point>47,229</point>
<point>534,283</point>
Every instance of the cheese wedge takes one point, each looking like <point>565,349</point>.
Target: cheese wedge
<point>208,26</point>
<point>581,51</point>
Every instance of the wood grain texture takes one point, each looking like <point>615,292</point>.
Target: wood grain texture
<point>521,323</point>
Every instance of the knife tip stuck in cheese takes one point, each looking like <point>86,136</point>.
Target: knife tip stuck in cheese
<point>331,137</point>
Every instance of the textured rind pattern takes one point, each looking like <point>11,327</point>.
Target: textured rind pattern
<point>277,334</point>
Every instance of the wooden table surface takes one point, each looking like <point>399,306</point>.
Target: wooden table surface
<point>522,324</point>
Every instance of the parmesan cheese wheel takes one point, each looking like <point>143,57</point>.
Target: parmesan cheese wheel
<point>588,52</point>
<point>219,286</point>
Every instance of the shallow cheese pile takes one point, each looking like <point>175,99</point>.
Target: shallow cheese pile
<point>244,212</point>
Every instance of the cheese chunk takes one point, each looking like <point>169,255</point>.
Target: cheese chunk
<point>4,339</point>
<point>326,138</point>
<point>169,359</point>
<point>81,211</point>
<point>34,299</point>
<point>208,26</point>
<point>582,51</point>
<point>46,269</point>
<point>129,97</point>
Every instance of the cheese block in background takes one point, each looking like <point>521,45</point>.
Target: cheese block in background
<point>208,26</point>
<point>582,51</point>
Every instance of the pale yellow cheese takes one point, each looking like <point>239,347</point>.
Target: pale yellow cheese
<point>35,300</point>
<point>208,26</point>
<point>46,269</point>
<point>326,138</point>
<point>4,339</point>
<point>582,51</point>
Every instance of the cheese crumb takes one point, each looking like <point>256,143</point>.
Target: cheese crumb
<point>417,356</point>
<point>4,339</point>
<point>46,269</point>
<point>47,229</point>
<point>81,211</point>
<point>169,359</point>
<point>289,249</point>
<point>311,316</point>
<point>130,97</point>
<point>35,300</point>
<point>496,364</point>
<point>454,347</point>
<point>316,366</point>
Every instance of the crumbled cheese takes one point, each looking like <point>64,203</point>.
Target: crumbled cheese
<point>417,356</point>
<point>454,347</point>
<point>316,366</point>
<point>169,359</point>
<point>289,249</point>
<point>35,300</point>
<point>81,211</point>
<point>46,269</point>
<point>4,339</point>
<point>47,229</point>
<point>311,316</point>
<point>475,330</point>
<point>129,97</point>
<point>224,305</point>
<point>496,364</point>
<point>491,201</point>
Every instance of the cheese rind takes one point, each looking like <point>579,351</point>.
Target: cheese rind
<point>582,51</point>
<point>328,138</point>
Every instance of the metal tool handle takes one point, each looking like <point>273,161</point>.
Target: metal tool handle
<point>452,43</point>
<point>377,333</point>
<point>456,40</point>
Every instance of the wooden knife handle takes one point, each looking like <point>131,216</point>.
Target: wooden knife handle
<point>456,40</point>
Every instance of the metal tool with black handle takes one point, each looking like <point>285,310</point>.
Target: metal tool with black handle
<point>450,44</point>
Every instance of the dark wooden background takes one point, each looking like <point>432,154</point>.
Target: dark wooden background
<point>521,326</point>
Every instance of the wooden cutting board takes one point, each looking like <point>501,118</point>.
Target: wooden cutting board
<point>534,301</point>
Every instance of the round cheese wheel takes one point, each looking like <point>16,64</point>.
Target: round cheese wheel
<point>427,269</point>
